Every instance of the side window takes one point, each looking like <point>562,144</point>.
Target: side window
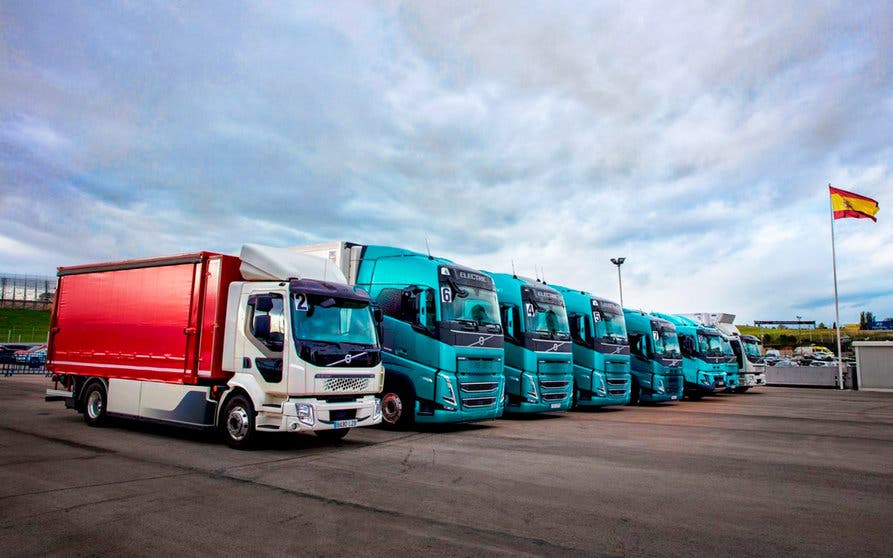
<point>389,302</point>
<point>635,345</point>
<point>266,321</point>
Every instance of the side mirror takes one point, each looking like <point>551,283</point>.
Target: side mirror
<point>409,304</point>
<point>262,326</point>
<point>422,302</point>
<point>508,321</point>
<point>377,314</point>
<point>577,326</point>
<point>648,349</point>
<point>263,303</point>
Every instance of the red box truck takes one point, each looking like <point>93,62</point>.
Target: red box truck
<point>272,340</point>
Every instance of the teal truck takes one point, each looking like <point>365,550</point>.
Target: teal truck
<point>442,345</point>
<point>655,360</point>
<point>703,362</point>
<point>601,349</point>
<point>538,349</point>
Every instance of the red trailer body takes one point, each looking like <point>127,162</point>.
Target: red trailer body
<point>159,319</point>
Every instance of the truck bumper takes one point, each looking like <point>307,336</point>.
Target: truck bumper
<point>443,416</point>
<point>309,413</point>
<point>651,397</point>
<point>613,390</point>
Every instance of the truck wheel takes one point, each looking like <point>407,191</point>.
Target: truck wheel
<point>397,406</point>
<point>238,422</point>
<point>332,435</point>
<point>95,404</point>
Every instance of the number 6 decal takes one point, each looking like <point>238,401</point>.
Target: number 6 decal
<point>446,294</point>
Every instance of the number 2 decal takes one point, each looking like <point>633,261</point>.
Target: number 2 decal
<point>301,302</point>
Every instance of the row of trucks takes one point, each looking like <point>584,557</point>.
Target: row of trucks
<point>329,337</point>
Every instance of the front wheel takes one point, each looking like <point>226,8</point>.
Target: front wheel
<point>397,406</point>
<point>95,404</point>
<point>238,422</point>
<point>332,435</point>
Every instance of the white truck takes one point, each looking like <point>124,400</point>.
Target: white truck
<point>272,340</point>
<point>747,348</point>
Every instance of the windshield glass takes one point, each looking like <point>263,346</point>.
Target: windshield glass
<point>609,324</point>
<point>544,317</point>
<point>709,345</point>
<point>326,319</point>
<point>727,348</point>
<point>751,349</point>
<point>666,344</point>
<point>473,304</point>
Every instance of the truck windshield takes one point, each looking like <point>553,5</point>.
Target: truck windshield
<point>476,304</point>
<point>326,319</point>
<point>710,345</point>
<point>751,349</point>
<point>666,343</point>
<point>609,323</point>
<point>547,318</point>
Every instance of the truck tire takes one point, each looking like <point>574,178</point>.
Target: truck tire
<point>397,406</point>
<point>237,422</point>
<point>332,435</point>
<point>95,403</point>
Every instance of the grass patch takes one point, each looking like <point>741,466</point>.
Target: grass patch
<point>779,338</point>
<point>21,325</point>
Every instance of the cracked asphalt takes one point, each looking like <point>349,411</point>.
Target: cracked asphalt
<point>776,471</point>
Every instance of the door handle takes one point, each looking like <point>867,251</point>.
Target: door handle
<point>246,362</point>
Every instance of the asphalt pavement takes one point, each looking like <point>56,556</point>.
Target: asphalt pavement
<point>775,471</point>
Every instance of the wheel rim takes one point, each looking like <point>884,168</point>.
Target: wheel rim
<point>391,408</point>
<point>237,423</point>
<point>94,404</point>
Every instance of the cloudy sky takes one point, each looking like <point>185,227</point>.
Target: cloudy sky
<point>695,139</point>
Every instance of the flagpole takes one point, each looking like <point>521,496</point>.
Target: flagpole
<point>836,306</point>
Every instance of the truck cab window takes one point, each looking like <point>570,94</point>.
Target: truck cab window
<point>266,321</point>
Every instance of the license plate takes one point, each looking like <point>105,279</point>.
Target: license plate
<point>345,423</point>
<point>720,384</point>
<point>674,397</point>
<point>555,405</point>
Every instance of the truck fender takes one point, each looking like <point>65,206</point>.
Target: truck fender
<point>242,383</point>
<point>82,386</point>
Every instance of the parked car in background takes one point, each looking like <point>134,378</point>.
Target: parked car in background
<point>35,356</point>
<point>784,363</point>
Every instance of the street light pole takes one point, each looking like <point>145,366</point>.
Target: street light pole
<point>618,262</point>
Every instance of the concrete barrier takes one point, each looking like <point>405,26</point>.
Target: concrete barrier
<point>811,376</point>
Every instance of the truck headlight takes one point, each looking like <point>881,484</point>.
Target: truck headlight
<point>450,396</point>
<point>376,410</point>
<point>305,413</point>
<point>532,394</point>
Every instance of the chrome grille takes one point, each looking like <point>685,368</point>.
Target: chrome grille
<point>617,391</point>
<point>617,381</point>
<point>554,396</point>
<point>348,383</point>
<point>472,387</point>
<point>553,384</point>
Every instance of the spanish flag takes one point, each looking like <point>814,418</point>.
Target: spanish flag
<point>847,204</point>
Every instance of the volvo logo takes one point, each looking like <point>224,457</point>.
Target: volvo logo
<point>348,358</point>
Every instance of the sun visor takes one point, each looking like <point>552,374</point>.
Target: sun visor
<point>266,263</point>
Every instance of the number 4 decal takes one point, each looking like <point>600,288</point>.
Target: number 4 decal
<point>530,311</point>
<point>301,302</point>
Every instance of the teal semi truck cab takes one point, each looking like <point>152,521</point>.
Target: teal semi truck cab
<point>731,362</point>
<point>751,369</point>
<point>655,360</point>
<point>441,333</point>
<point>601,349</point>
<point>538,359</point>
<point>703,361</point>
